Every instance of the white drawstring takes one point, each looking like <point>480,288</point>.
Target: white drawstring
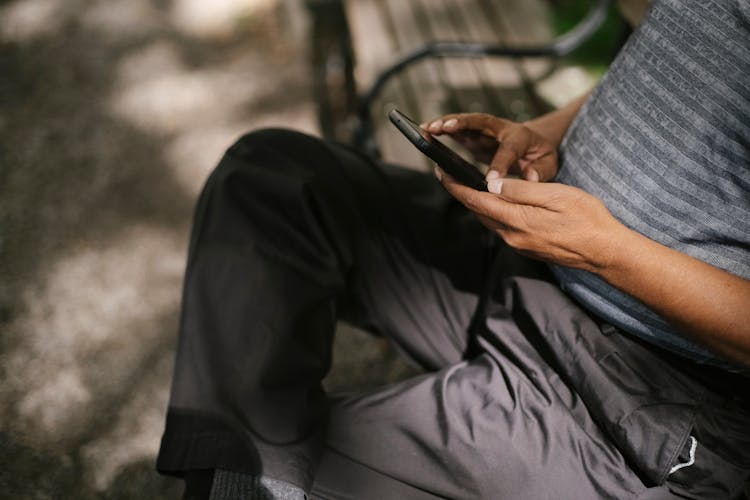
<point>691,461</point>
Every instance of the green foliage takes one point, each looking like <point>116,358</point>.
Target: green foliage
<point>600,49</point>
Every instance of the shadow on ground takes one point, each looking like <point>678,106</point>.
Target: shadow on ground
<point>112,114</point>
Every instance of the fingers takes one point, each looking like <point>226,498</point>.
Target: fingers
<point>506,155</point>
<point>530,174</point>
<point>509,146</point>
<point>481,203</point>
<point>515,146</point>
<point>542,169</point>
<point>504,194</point>
<point>523,192</point>
<point>452,123</point>
<point>518,151</point>
<point>505,158</point>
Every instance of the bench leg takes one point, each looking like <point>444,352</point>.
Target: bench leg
<point>332,63</point>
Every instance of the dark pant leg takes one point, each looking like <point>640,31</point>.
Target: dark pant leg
<point>290,234</point>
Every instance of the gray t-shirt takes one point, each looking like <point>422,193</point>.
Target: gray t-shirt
<point>664,142</point>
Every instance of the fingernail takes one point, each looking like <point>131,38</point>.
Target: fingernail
<point>436,125</point>
<point>492,174</point>
<point>438,173</point>
<point>424,125</point>
<point>450,123</point>
<point>495,186</point>
<point>533,175</point>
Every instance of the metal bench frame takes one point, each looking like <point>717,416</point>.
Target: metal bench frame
<point>329,14</point>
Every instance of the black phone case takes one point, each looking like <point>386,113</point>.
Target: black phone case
<point>460,169</point>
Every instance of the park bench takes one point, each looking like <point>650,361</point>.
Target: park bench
<point>431,57</point>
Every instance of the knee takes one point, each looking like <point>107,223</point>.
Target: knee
<point>277,140</point>
<point>259,155</point>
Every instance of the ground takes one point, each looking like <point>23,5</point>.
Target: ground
<point>112,114</point>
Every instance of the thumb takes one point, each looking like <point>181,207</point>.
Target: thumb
<point>524,192</point>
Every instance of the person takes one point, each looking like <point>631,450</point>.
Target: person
<point>584,328</point>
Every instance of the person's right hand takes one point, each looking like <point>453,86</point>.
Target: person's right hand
<point>506,146</point>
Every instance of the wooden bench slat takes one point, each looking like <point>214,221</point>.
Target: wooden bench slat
<point>473,80</point>
<point>424,86</point>
<point>384,30</point>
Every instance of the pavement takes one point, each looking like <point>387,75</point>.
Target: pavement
<point>112,114</point>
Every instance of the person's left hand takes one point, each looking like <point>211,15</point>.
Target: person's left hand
<point>547,221</point>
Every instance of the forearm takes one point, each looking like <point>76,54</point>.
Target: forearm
<point>555,124</point>
<point>567,226</point>
<point>705,303</point>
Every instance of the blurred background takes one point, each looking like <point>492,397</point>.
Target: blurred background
<point>112,114</point>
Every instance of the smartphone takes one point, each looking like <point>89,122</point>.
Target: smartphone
<point>450,161</point>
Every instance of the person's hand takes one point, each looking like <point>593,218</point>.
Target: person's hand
<point>547,221</point>
<point>506,146</point>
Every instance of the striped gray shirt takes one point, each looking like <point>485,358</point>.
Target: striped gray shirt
<point>664,142</point>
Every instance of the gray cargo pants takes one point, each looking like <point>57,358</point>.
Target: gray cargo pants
<point>526,396</point>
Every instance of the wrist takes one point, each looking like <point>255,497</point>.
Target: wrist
<point>619,246</point>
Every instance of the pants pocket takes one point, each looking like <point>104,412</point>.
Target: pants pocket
<point>648,415</point>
